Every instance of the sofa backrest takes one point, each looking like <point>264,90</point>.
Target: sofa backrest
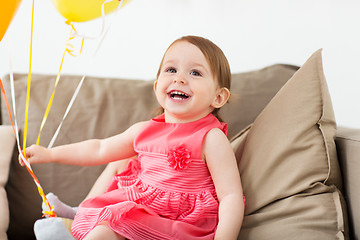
<point>301,150</point>
<point>104,107</point>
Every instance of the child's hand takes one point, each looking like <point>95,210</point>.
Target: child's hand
<point>36,154</point>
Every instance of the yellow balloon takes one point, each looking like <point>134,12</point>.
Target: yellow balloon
<point>8,9</point>
<point>84,10</point>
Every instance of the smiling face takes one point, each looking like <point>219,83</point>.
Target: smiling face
<point>186,87</point>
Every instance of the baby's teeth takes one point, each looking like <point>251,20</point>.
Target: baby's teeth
<point>179,93</point>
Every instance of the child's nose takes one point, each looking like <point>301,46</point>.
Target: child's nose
<point>179,79</point>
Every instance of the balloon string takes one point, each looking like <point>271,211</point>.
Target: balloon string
<point>7,105</point>
<point>12,88</point>
<point>29,80</point>
<point>53,139</point>
<point>68,49</point>
<point>50,213</point>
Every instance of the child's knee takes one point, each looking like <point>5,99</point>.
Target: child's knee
<point>103,231</point>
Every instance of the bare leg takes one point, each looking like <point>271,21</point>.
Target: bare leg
<point>103,231</point>
<point>104,179</point>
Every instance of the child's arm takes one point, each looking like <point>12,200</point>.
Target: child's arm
<point>90,152</point>
<point>223,168</point>
<point>105,178</point>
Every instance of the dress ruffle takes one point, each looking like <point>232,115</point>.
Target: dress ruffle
<point>133,208</point>
<point>139,222</point>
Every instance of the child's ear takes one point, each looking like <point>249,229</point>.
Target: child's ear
<point>221,98</point>
<point>155,85</point>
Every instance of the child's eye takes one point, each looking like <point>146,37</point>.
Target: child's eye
<point>171,70</point>
<point>195,73</point>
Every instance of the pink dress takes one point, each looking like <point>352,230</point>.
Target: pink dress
<point>166,193</point>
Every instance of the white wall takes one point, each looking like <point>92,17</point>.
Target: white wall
<point>252,33</point>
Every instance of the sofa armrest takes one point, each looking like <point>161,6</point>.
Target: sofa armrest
<point>348,149</point>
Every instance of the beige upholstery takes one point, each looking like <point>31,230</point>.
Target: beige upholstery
<point>267,151</point>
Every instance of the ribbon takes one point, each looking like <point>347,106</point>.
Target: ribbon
<point>49,213</point>
<point>104,33</point>
<point>7,104</point>
<point>29,80</point>
<point>68,49</point>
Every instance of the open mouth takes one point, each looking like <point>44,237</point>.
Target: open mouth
<point>178,95</point>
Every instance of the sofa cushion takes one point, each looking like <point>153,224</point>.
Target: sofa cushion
<point>103,108</point>
<point>7,143</point>
<point>288,163</point>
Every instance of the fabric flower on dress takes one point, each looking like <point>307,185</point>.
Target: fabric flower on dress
<point>179,157</point>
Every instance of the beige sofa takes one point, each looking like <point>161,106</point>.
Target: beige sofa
<point>295,166</point>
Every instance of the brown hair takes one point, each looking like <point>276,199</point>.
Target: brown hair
<point>217,61</point>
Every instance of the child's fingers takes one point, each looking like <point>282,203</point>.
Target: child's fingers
<point>21,161</point>
<point>33,154</point>
<point>22,157</point>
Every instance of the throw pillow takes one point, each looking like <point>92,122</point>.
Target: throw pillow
<point>288,163</point>
<point>7,142</point>
<point>250,92</point>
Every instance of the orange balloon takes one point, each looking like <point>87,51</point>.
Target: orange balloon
<point>8,9</point>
